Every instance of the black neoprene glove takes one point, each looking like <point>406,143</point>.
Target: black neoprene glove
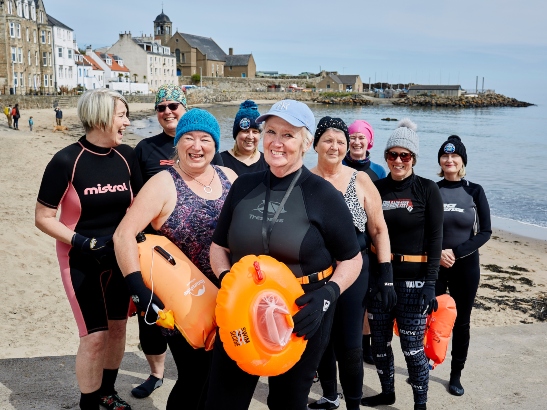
<point>101,248</point>
<point>315,303</point>
<point>386,291</point>
<point>428,301</point>
<point>141,296</point>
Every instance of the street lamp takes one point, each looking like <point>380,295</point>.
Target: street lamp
<point>200,79</point>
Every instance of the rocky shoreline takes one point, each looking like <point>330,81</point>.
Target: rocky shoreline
<point>486,100</point>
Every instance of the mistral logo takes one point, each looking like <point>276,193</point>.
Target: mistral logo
<point>99,189</point>
<point>272,209</point>
<point>195,288</point>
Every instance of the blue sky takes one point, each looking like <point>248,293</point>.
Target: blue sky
<point>421,41</point>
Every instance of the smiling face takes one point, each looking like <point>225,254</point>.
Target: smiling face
<point>399,170</point>
<point>451,164</point>
<point>358,144</point>
<point>284,146</point>
<point>119,123</point>
<point>331,147</point>
<point>247,141</point>
<point>169,119</point>
<point>196,150</point>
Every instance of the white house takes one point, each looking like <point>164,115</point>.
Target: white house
<point>63,55</point>
<point>150,62</point>
<point>89,75</point>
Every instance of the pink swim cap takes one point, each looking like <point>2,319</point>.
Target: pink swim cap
<point>364,128</point>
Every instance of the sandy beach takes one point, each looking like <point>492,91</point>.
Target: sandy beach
<point>39,335</point>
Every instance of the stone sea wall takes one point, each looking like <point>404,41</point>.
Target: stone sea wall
<point>486,100</point>
<point>28,102</point>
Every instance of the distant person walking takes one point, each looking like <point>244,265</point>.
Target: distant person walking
<point>16,115</point>
<point>7,111</point>
<point>58,115</point>
<point>30,123</point>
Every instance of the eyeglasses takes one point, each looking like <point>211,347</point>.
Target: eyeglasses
<point>405,156</point>
<point>172,106</point>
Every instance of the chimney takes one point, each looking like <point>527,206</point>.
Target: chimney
<point>231,51</point>
<point>88,50</point>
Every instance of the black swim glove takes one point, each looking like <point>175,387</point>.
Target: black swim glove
<point>315,303</point>
<point>386,292</point>
<point>428,301</point>
<point>101,248</point>
<point>141,296</point>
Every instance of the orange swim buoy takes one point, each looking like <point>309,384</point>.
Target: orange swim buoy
<point>182,288</point>
<point>254,313</point>
<point>438,329</point>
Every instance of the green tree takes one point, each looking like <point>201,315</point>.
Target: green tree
<point>196,78</point>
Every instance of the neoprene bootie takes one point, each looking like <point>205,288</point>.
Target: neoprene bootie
<point>380,399</point>
<point>454,385</point>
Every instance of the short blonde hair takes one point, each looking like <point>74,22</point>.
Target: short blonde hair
<point>461,172</point>
<point>96,108</point>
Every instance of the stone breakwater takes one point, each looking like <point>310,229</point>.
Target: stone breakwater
<point>353,99</point>
<point>487,100</point>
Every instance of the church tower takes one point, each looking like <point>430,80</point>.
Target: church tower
<point>163,28</point>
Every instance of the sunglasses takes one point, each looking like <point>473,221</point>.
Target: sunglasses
<point>405,156</point>
<point>172,106</point>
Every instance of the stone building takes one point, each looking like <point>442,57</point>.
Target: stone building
<point>64,45</point>
<point>332,81</point>
<point>239,65</point>
<point>439,90</point>
<point>26,48</point>
<point>147,58</point>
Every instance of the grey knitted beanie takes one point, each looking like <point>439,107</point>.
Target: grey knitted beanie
<point>405,137</point>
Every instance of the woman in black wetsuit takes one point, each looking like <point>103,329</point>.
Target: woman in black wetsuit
<point>305,237</point>
<point>362,198</point>
<point>413,211</point>
<point>93,181</point>
<point>466,228</point>
<point>245,157</point>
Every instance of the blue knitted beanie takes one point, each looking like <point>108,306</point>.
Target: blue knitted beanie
<point>246,117</point>
<point>198,120</point>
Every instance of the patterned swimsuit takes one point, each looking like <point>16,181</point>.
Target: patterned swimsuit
<point>193,221</point>
<point>357,211</point>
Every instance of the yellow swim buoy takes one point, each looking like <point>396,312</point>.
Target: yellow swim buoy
<point>255,305</point>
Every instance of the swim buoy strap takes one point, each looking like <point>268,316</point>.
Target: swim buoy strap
<point>222,274</point>
<point>315,303</point>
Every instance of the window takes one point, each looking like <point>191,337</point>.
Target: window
<point>69,72</point>
<point>12,30</point>
<point>44,58</point>
<point>34,35</point>
<point>51,80</point>
<point>60,52</point>
<point>36,58</point>
<point>49,59</point>
<point>22,79</point>
<point>19,8</point>
<point>29,80</point>
<point>18,30</point>
<point>49,37</point>
<point>33,11</point>
<point>43,36</point>
<point>151,70</point>
<point>69,53</point>
<point>15,81</point>
<point>19,55</point>
<point>41,19</point>
<point>29,60</point>
<point>60,71</point>
<point>28,35</point>
<point>13,54</point>
<point>46,80</point>
<point>25,9</point>
<point>10,10</point>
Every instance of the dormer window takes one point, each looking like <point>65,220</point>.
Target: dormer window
<point>109,61</point>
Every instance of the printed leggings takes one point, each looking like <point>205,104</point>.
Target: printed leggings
<point>345,343</point>
<point>411,324</point>
<point>462,281</point>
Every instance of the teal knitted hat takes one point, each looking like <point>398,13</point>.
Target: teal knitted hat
<point>198,120</point>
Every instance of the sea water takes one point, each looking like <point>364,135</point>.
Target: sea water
<point>506,150</point>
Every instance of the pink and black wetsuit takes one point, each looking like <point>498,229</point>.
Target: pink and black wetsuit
<point>94,186</point>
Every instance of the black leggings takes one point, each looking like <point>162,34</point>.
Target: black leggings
<point>193,367</point>
<point>462,281</point>
<point>230,387</point>
<point>345,343</point>
<point>411,323</point>
<point>152,340</point>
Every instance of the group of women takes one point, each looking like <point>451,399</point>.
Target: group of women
<point>218,208</point>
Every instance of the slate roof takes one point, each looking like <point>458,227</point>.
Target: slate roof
<point>348,79</point>
<point>434,87</point>
<point>56,23</point>
<point>238,60</point>
<point>206,46</point>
